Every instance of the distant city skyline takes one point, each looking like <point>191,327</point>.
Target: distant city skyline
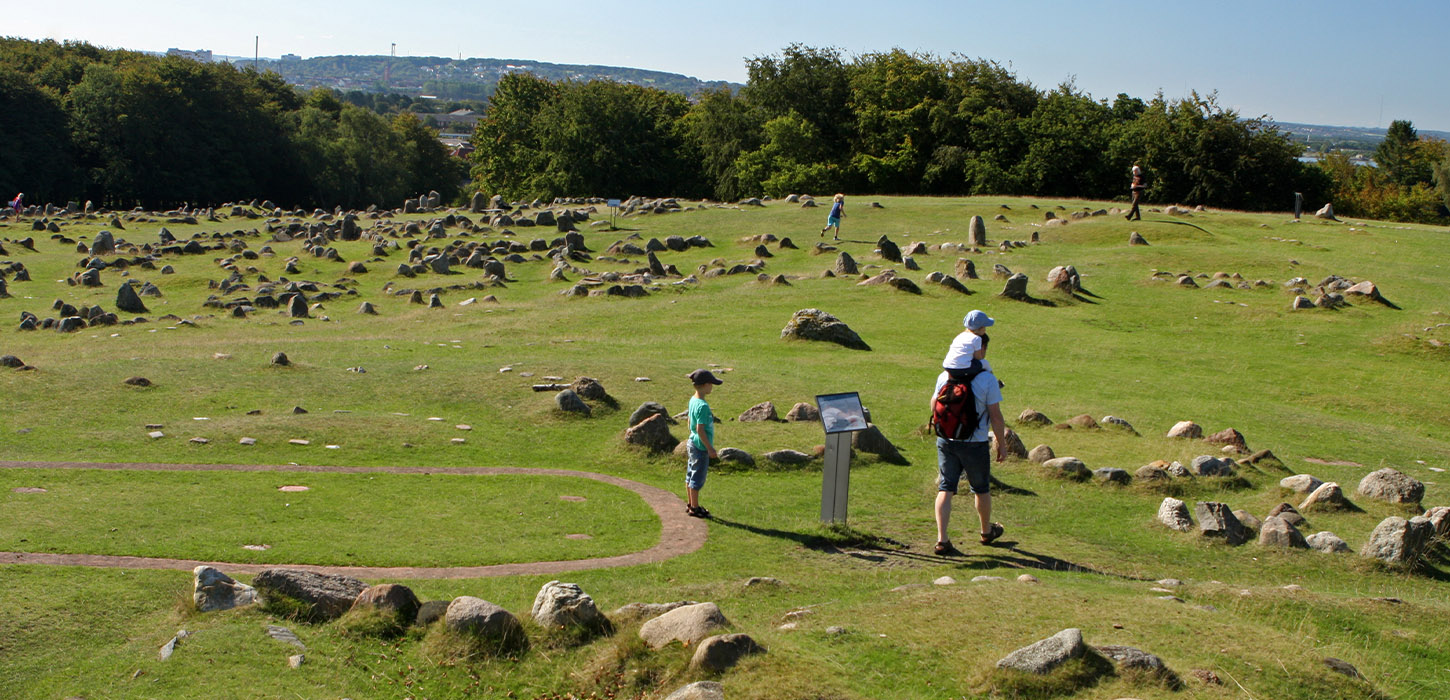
<point>1331,62</point>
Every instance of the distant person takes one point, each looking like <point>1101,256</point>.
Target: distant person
<point>961,413</point>
<point>833,220</point>
<point>702,441</point>
<point>1136,188</point>
<point>18,203</point>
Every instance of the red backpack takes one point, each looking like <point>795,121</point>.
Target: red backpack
<point>954,410</point>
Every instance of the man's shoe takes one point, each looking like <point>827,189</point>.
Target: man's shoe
<point>992,533</point>
<point>945,549</point>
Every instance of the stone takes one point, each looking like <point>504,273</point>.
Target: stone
<point>1186,429</point>
<point>1439,517</point>
<point>1342,666</point>
<point>761,412</point>
<point>1151,472</point>
<point>636,611</point>
<point>1228,436</point>
<point>789,457</point>
<point>569,402</point>
<point>1327,542</point>
<point>845,265</point>
<point>1068,466</point>
<point>718,653</point>
<point>1083,421</point>
<point>1130,658</point>
<point>1217,520</point>
<point>802,412</point>
<point>1136,238</point>
<point>1031,417</point>
<point>127,300</point>
<point>1278,532</point>
<point>1300,483</point>
<point>1119,424</point>
<point>1113,475</point>
<point>1208,465</point>
<point>645,410</point>
<point>1288,513</point>
<point>736,455</point>
<point>688,624</point>
<point>1248,520</point>
<point>1327,497</point>
<point>944,581</point>
<point>977,228</point>
<point>1041,657</point>
<point>1391,486</point>
<point>872,441</point>
<point>566,605</point>
<point>888,250</point>
<point>1016,287</point>
<point>397,600</point>
<point>213,590</point>
<point>1015,448</point>
<point>1027,578</point>
<point>1064,278</point>
<point>1399,541</point>
<point>701,690</point>
<point>1174,513</point>
<point>652,433</point>
<point>137,381</point>
<point>368,309</point>
<point>297,306</point>
<point>1301,302</point>
<point>1040,454</point>
<point>1326,212</point>
<point>326,595</point>
<point>814,324</point>
<point>483,620</point>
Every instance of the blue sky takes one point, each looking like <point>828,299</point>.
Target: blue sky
<point>1324,62</point>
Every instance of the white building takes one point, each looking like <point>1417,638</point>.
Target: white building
<point>202,55</point>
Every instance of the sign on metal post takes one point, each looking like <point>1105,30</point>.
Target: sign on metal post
<point>613,213</point>
<point>841,415</point>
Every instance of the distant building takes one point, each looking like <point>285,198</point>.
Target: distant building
<point>200,55</point>
<point>289,57</point>
<point>456,122</point>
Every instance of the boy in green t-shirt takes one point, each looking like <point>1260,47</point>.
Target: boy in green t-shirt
<point>702,441</point>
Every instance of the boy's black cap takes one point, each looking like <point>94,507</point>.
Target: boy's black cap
<point>704,376</point>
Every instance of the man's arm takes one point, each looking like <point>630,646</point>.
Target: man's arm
<point>999,428</point>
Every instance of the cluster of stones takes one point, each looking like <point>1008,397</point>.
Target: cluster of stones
<point>1395,540</point>
<point>1043,657</point>
<point>649,428</point>
<point>1334,292</point>
<point>321,597</point>
<point>1217,280</point>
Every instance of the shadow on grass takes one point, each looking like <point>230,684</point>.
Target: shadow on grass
<point>1014,558</point>
<point>1002,487</point>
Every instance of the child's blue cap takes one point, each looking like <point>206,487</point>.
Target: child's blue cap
<point>977,319</point>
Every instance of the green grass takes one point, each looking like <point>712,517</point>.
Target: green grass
<point>370,519</point>
<point>1362,384</point>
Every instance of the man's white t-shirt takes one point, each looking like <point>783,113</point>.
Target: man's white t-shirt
<point>986,392</point>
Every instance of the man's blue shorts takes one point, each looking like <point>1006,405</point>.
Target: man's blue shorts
<point>953,457</point>
<point>833,221</point>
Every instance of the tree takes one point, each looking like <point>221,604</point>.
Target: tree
<point>718,128</point>
<point>38,157</point>
<point>1398,156</point>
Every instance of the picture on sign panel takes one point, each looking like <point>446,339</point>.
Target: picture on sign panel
<point>841,413</point>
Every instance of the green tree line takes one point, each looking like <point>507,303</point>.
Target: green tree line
<point>122,129</point>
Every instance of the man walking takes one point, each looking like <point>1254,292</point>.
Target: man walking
<point>964,449</point>
<point>1139,185</point>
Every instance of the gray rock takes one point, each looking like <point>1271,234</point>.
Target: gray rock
<point>645,410</point>
<point>1041,657</point>
<point>701,690</point>
<point>1208,465</point>
<point>326,595</point>
<point>213,590</point>
<point>1015,449</point>
<point>297,306</point>
<point>1016,287</point>
<point>688,624</point>
<point>280,359</point>
<point>720,652</point>
<point>1032,417</point>
<point>1070,466</point>
<point>845,265</point>
<point>483,620</point>
<point>1129,658</point>
<point>652,433</point>
<point>1300,483</point>
<point>871,441</point>
<point>1113,474</point>
<point>977,228</point>
<point>1288,513</point>
<point>1391,486</point>
<point>1340,665</point>
<point>1174,513</point>
<point>1217,520</point>
<point>1277,532</point>
<point>566,605</point>
<point>646,611</point>
<point>736,455</point>
<point>1041,454</point>
<point>395,599</point>
<point>1119,423</point>
<point>1327,542</point>
<point>761,412</point>
<point>1248,520</point>
<point>802,412</point>
<point>1439,517</point>
<point>127,300</point>
<point>1327,497</point>
<point>569,402</point>
<point>790,457</point>
<point>1186,429</point>
<point>1399,541</point>
<point>814,324</point>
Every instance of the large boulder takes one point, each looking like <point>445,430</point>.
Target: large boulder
<point>1067,466</point>
<point>1327,497</point>
<point>569,402</point>
<point>814,324</point>
<point>566,605</point>
<point>1326,542</point>
<point>1277,532</point>
<point>1229,437</point>
<point>213,590</point>
<point>1391,486</point>
<point>483,620</point>
<point>803,412</point>
<point>759,413</point>
<point>128,300</point>
<point>652,433</point>
<point>688,624</point>
<point>325,596</point>
<point>1208,465</point>
<point>1399,541</point>
<point>871,441</point>
<point>397,600</point>
<point>978,230</point>
<point>1015,448</point>
<point>1185,429</point>
<point>718,653</point>
<point>845,265</point>
<point>1217,520</point>
<point>1132,659</point>
<point>1301,483</point>
<point>1016,287</point>
<point>1174,513</point>
<point>645,410</point>
<point>1041,657</point>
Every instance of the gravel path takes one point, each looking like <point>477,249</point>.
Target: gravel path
<point>679,533</point>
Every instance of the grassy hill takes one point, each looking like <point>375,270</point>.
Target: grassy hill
<point>1334,393</point>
